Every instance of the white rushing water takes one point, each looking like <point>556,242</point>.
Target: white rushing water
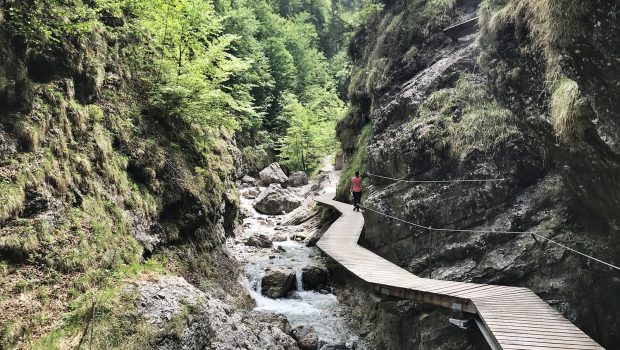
<point>319,310</point>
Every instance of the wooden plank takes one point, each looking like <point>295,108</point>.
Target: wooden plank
<point>548,345</point>
<point>508,326</point>
<point>530,314</point>
<point>522,321</point>
<point>548,338</point>
<point>526,333</point>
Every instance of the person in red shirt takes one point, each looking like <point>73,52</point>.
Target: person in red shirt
<point>356,189</point>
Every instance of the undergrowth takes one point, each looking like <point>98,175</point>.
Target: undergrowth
<point>358,161</point>
<point>103,316</point>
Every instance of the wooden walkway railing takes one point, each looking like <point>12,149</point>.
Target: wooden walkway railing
<point>514,317</point>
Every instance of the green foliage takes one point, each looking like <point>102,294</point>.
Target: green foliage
<point>288,43</point>
<point>282,65</point>
<point>178,322</point>
<point>193,67</point>
<point>11,198</point>
<point>311,134</point>
<point>358,161</point>
<point>94,236</point>
<point>368,9</point>
<point>44,22</point>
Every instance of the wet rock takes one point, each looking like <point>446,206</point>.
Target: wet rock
<point>336,347</point>
<point>260,240</point>
<point>279,249</point>
<point>237,156</point>
<point>280,237</point>
<point>276,200</point>
<point>299,237</point>
<point>276,283</point>
<point>252,193</point>
<point>304,213</point>
<point>314,278</point>
<point>36,202</point>
<point>314,239</point>
<point>244,213</point>
<point>306,337</point>
<point>273,174</point>
<point>248,180</point>
<point>298,179</point>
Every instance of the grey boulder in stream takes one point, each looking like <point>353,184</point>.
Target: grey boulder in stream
<point>276,200</point>
<point>314,277</point>
<point>306,337</point>
<point>277,283</point>
<point>273,174</point>
<point>260,240</point>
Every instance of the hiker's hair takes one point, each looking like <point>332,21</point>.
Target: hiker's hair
<point>357,173</point>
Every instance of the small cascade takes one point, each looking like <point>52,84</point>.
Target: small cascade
<point>298,277</point>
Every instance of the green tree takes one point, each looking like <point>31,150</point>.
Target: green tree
<point>192,86</point>
<point>311,134</point>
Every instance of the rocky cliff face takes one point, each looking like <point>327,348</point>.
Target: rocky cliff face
<point>527,99</point>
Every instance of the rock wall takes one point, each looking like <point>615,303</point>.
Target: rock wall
<point>511,102</point>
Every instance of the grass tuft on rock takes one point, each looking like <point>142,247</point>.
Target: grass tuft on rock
<point>482,128</point>
<point>465,118</point>
<point>552,24</point>
<point>565,109</point>
<point>12,198</point>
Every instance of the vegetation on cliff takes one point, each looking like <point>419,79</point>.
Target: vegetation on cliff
<point>118,129</point>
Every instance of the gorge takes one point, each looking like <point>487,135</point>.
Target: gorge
<point>160,162</point>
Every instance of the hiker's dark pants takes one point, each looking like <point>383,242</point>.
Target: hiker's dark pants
<point>357,199</point>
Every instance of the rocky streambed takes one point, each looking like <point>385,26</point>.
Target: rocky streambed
<point>282,270</point>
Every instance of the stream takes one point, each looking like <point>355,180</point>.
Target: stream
<point>320,310</point>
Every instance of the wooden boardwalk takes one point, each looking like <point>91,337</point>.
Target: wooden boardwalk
<point>514,317</point>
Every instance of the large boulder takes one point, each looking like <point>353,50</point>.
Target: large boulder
<point>314,278</point>
<point>306,337</point>
<point>297,179</point>
<point>260,240</point>
<point>184,317</point>
<point>251,193</point>
<point>255,159</point>
<point>247,181</point>
<point>276,200</point>
<point>276,283</point>
<point>273,174</point>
